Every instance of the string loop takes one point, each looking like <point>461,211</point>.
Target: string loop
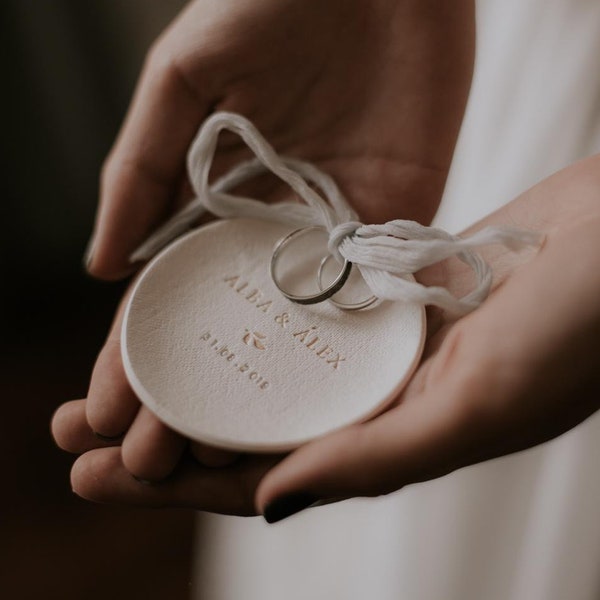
<point>386,254</point>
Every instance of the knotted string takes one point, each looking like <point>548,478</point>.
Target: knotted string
<point>386,255</point>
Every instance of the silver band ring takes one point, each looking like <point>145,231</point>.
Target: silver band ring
<point>344,306</point>
<point>324,294</point>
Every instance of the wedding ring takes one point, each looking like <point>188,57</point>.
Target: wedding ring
<point>325,293</point>
<point>343,305</point>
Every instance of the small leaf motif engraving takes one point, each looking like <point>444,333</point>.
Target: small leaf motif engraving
<point>254,338</point>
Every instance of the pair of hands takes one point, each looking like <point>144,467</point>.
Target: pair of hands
<point>356,87</point>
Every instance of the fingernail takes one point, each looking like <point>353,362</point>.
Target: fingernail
<point>108,438</point>
<point>289,505</point>
<point>89,253</point>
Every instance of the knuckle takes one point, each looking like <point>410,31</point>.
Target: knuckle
<point>117,168</point>
<point>141,458</point>
<point>212,457</point>
<point>136,463</point>
<point>89,472</point>
<point>162,63</point>
<point>158,55</point>
<point>117,171</point>
<point>107,171</point>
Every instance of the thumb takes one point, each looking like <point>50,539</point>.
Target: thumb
<point>418,440</point>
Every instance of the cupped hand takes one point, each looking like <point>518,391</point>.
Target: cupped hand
<point>518,371</point>
<point>372,91</point>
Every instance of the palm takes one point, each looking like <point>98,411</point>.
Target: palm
<point>345,87</point>
<point>372,92</point>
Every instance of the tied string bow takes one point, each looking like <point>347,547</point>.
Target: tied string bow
<point>386,255</point>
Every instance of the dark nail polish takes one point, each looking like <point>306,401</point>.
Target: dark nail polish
<point>287,506</point>
<point>108,438</point>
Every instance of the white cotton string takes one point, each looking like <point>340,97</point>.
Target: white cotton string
<point>293,213</point>
<point>386,255</point>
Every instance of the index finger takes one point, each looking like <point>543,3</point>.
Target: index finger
<point>145,168</point>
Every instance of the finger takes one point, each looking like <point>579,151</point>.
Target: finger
<point>472,401</point>
<point>150,449</point>
<point>100,476</point>
<point>212,457</point>
<point>72,432</point>
<point>416,441</point>
<point>145,168</point>
<point>111,404</point>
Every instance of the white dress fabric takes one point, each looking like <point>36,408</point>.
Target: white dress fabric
<point>523,527</point>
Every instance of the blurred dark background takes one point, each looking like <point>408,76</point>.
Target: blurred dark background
<point>68,70</point>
